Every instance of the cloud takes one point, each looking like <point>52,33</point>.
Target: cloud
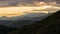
<point>15,2</point>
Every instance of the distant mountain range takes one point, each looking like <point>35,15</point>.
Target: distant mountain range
<point>24,17</point>
<point>22,20</point>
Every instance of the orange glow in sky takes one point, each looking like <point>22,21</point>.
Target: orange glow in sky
<point>18,11</point>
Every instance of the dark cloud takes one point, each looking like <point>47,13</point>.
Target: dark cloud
<point>31,1</point>
<point>15,2</point>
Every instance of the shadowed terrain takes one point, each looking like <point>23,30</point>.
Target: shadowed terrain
<point>4,29</point>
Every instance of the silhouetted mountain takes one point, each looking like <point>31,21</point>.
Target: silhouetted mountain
<point>49,25</point>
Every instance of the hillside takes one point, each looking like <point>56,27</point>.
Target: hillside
<point>49,25</point>
<point>4,29</point>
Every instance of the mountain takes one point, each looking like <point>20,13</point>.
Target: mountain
<point>20,21</point>
<point>24,17</point>
<point>49,25</point>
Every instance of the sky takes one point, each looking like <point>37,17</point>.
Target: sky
<point>31,0</point>
<point>3,0</point>
<point>28,1</point>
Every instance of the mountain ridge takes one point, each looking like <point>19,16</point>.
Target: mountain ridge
<point>49,25</point>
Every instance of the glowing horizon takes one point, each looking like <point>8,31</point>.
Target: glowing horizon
<point>18,11</point>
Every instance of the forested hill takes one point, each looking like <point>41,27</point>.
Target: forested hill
<point>49,25</point>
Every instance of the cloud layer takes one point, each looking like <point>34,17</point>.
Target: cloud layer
<point>15,2</point>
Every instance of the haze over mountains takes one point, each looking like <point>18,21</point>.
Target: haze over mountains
<point>22,20</point>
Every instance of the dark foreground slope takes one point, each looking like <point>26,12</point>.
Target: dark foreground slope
<point>49,25</point>
<point>4,29</point>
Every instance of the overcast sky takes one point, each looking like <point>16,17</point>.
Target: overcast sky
<point>32,0</point>
<point>29,1</point>
<point>15,2</point>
